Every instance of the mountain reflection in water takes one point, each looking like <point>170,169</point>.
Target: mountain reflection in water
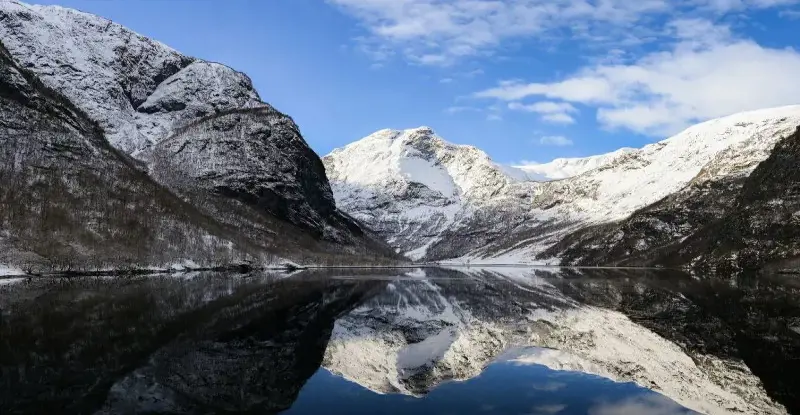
<point>472,340</point>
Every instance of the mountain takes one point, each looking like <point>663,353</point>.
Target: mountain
<point>729,224</point>
<point>69,198</point>
<point>433,200</point>
<point>170,141</point>
<point>411,186</point>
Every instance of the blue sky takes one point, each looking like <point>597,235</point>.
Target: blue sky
<point>524,80</point>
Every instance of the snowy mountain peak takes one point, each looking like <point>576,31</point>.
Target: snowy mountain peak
<point>422,179</point>
<point>413,158</point>
<point>421,131</point>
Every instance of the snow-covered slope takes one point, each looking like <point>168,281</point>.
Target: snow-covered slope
<point>562,168</point>
<point>411,185</point>
<point>435,200</point>
<point>138,89</point>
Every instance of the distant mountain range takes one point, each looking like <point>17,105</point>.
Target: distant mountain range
<point>719,194</point>
<point>119,151</point>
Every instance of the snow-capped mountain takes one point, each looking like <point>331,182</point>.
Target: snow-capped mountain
<point>179,126</point>
<point>435,200</point>
<point>411,186</point>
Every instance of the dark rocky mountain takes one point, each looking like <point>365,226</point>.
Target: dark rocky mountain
<point>257,157</point>
<point>230,177</point>
<point>71,200</point>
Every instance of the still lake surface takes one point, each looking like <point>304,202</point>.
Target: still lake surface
<point>403,341</point>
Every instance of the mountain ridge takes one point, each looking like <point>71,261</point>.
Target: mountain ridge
<point>196,131</point>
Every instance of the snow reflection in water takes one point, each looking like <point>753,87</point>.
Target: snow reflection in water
<point>427,340</point>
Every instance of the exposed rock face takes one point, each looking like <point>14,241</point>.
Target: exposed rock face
<point>763,225</point>
<point>411,186</point>
<point>437,201</point>
<point>651,232</point>
<point>258,157</point>
<point>70,200</point>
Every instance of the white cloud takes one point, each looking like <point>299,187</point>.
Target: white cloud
<point>445,80</point>
<point>494,117</point>
<point>554,112</point>
<point>647,404</point>
<point>551,409</point>
<point>560,118</point>
<point>555,140</point>
<point>440,32</point>
<point>706,74</point>
<point>543,107</point>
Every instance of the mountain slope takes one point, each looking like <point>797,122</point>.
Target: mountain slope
<point>562,168</point>
<point>136,88</point>
<point>70,200</point>
<point>501,215</point>
<point>728,224</point>
<point>198,128</point>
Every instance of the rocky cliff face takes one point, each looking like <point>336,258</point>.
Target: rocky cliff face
<point>257,157</point>
<point>411,186</point>
<point>611,209</point>
<point>70,200</point>
<point>198,128</point>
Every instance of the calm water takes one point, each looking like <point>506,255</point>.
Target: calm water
<point>441,341</point>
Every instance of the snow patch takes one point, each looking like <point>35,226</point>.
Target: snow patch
<point>7,270</point>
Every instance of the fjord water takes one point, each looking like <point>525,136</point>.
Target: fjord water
<point>468,340</point>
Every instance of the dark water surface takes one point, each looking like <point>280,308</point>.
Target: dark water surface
<point>442,341</point>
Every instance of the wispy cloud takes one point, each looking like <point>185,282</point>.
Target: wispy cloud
<point>647,404</point>
<point>551,409</point>
<point>790,14</point>
<point>707,72</point>
<point>441,32</point>
<point>555,140</point>
<point>458,109</point>
<point>554,112</point>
